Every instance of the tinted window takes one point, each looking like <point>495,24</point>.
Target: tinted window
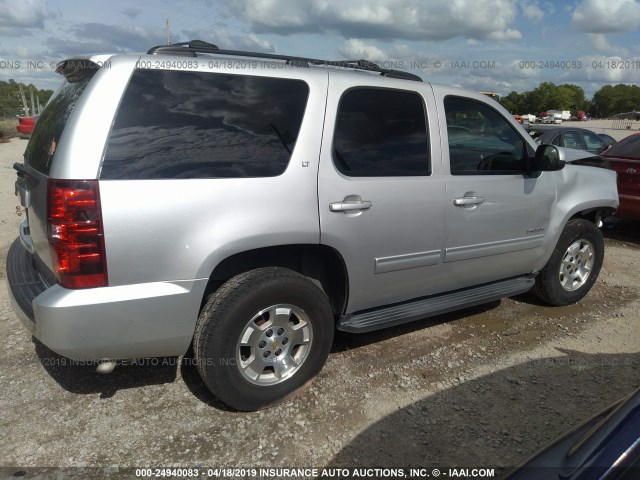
<point>381,133</point>
<point>557,141</point>
<point>572,140</point>
<point>627,147</point>
<point>481,141</point>
<point>593,143</point>
<point>49,127</point>
<point>178,124</point>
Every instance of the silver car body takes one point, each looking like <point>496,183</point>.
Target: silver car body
<point>164,238</point>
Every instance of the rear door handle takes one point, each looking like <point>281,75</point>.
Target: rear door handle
<point>465,201</point>
<point>350,206</point>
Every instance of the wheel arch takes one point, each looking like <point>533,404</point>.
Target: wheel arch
<point>322,264</point>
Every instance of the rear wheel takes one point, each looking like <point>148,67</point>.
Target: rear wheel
<point>262,337</point>
<point>574,265</point>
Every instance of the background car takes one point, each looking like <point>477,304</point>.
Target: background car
<point>607,139</point>
<point>570,137</point>
<point>26,124</point>
<point>624,158</point>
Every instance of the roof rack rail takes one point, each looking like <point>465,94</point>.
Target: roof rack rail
<point>194,47</point>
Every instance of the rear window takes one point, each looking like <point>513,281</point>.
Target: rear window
<point>628,147</point>
<point>49,127</point>
<point>178,124</point>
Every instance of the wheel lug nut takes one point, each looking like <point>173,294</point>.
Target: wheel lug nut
<point>280,331</point>
<point>262,344</point>
<point>278,352</point>
<point>266,354</point>
<point>285,341</point>
<point>269,333</point>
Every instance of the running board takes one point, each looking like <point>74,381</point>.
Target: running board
<point>399,313</point>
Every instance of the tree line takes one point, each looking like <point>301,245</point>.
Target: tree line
<point>11,99</point>
<point>607,101</point>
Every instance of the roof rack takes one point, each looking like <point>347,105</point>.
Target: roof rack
<point>194,47</point>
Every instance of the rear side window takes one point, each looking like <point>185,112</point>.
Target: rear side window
<point>178,124</point>
<point>381,133</point>
<point>50,125</point>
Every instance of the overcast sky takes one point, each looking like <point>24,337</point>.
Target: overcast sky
<point>495,45</point>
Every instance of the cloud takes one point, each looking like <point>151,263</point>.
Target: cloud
<point>131,12</point>
<point>28,13</point>
<point>601,69</point>
<point>533,12</point>
<point>606,16</point>
<point>601,44</point>
<point>383,19</point>
<point>17,17</point>
<point>102,38</point>
<point>355,49</point>
<point>224,38</point>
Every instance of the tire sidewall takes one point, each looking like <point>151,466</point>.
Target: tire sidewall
<point>574,231</point>
<point>222,373</point>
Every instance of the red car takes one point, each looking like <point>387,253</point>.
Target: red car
<point>624,157</point>
<point>26,124</point>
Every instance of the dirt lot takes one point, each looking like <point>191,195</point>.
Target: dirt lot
<point>487,386</point>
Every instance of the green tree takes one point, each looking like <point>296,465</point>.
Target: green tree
<point>610,100</point>
<point>11,102</point>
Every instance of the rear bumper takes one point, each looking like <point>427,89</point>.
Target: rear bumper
<point>130,321</point>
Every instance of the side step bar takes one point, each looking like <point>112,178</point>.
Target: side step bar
<point>399,313</point>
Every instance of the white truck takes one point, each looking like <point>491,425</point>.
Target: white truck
<point>561,115</point>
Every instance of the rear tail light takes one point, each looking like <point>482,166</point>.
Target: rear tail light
<point>76,236</point>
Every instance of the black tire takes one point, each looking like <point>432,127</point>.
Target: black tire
<point>549,286</point>
<point>232,311</point>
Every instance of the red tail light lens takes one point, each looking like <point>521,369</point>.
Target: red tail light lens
<point>76,236</point>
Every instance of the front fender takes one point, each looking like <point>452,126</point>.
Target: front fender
<point>579,189</point>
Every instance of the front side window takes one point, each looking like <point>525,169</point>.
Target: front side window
<point>181,124</point>
<point>593,143</point>
<point>381,133</point>
<point>481,141</point>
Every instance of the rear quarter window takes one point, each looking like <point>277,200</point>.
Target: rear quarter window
<point>178,124</point>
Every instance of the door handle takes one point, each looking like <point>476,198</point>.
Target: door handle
<point>465,201</point>
<point>350,206</point>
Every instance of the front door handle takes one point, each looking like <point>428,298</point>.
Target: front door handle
<point>466,201</point>
<point>350,206</point>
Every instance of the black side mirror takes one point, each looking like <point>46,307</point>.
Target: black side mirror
<point>547,159</point>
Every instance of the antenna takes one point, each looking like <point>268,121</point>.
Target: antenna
<point>169,36</point>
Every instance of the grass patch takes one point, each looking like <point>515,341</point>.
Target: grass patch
<point>8,129</point>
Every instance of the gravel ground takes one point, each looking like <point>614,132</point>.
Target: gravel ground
<point>487,386</point>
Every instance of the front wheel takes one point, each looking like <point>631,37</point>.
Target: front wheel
<point>574,265</point>
<point>262,337</point>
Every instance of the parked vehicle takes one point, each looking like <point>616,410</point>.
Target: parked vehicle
<point>518,119</point>
<point>26,124</point>
<point>607,139</point>
<point>624,158</point>
<point>572,137</point>
<point>252,208</point>
<point>606,447</point>
<point>560,114</point>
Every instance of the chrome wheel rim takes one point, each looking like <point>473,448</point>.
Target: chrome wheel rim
<point>576,265</point>
<point>274,344</point>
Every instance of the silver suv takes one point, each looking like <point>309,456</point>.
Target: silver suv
<point>251,204</point>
